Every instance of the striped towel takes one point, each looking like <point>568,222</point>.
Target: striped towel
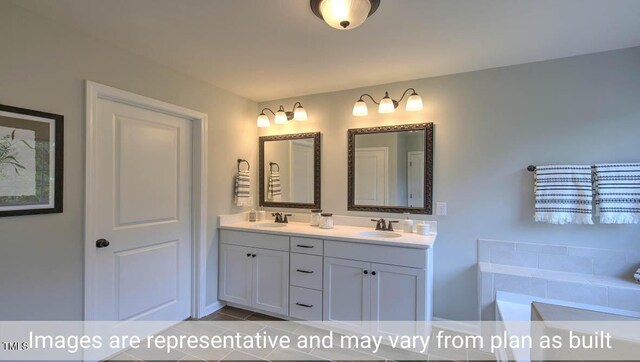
<point>618,193</point>
<point>243,189</point>
<point>274,193</point>
<point>564,194</point>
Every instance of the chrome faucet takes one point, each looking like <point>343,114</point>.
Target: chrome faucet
<point>280,218</point>
<point>381,224</point>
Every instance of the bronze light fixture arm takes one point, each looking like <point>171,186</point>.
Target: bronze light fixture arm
<point>370,97</point>
<point>267,109</point>
<point>405,93</point>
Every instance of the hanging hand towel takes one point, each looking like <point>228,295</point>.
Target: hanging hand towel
<point>563,194</point>
<point>274,191</point>
<point>618,193</point>
<point>243,189</point>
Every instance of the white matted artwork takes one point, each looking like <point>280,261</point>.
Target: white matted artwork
<point>31,158</point>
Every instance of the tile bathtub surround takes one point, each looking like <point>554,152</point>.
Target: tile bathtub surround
<point>615,263</point>
<point>591,276</point>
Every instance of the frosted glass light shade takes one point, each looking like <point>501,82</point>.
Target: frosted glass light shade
<point>414,103</point>
<point>345,14</point>
<point>386,105</point>
<point>299,114</point>
<point>360,109</point>
<point>280,118</point>
<point>263,121</point>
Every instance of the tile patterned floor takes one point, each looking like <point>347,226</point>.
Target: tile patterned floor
<point>236,314</point>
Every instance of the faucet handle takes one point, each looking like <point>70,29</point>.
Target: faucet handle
<point>390,225</point>
<point>286,220</point>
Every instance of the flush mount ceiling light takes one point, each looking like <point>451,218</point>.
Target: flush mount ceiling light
<point>281,116</point>
<point>344,14</point>
<point>388,105</point>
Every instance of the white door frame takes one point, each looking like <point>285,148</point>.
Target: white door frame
<point>95,91</point>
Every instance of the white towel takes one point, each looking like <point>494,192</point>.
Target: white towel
<point>243,189</point>
<point>618,193</point>
<point>274,192</point>
<point>564,194</point>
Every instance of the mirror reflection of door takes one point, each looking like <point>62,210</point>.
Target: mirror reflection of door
<point>415,178</point>
<point>372,175</point>
<point>301,183</point>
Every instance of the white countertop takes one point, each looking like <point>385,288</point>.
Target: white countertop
<point>339,232</point>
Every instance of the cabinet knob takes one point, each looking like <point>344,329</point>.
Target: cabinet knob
<point>248,254</point>
<point>253,255</point>
<point>373,273</point>
<point>366,272</point>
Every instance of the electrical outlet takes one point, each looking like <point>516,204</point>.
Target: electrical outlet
<point>441,208</point>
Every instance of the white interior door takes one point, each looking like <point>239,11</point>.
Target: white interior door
<point>371,176</point>
<point>143,209</point>
<point>301,173</point>
<point>415,179</point>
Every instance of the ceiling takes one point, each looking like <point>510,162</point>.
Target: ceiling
<point>270,49</point>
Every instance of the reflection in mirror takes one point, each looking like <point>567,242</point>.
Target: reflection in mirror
<point>390,168</point>
<point>289,170</point>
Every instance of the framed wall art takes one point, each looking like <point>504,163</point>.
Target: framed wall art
<point>31,161</point>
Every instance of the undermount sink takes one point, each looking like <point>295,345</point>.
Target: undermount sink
<point>271,225</point>
<point>379,234</point>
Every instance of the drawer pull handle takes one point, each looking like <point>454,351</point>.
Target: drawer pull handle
<point>304,305</point>
<point>305,246</point>
<point>305,271</point>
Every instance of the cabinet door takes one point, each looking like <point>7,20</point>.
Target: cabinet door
<point>347,292</point>
<point>235,274</point>
<point>397,294</point>
<point>271,281</point>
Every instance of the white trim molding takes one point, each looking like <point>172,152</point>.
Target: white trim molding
<point>95,91</point>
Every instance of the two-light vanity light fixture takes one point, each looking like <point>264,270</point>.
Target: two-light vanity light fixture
<point>298,113</point>
<point>388,105</point>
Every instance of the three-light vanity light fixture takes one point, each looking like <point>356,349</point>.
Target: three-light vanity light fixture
<point>388,105</point>
<point>298,113</point>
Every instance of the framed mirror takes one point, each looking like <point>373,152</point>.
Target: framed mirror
<point>391,169</point>
<point>290,171</point>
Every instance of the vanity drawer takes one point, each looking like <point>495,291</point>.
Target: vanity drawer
<point>255,240</point>
<point>393,255</point>
<point>306,245</point>
<point>306,271</point>
<point>305,304</point>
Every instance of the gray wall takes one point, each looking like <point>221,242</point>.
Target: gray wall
<point>43,66</point>
<point>489,125</point>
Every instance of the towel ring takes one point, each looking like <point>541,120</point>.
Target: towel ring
<point>240,160</point>
<point>271,164</point>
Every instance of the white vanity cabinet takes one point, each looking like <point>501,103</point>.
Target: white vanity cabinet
<point>359,287</point>
<point>316,279</point>
<point>256,277</point>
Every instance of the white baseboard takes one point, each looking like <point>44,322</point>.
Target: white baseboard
<point>459,326</point>
<point>213,307</point>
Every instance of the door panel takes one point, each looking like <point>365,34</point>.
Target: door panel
<point>235,274</point>
<point>397,294</point>
<point>346,292</point>
<point>143,208</point>
<point>371,176</point>
<point>271,280</point>
<point>415,178</point>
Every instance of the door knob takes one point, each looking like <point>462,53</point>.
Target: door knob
<point>102,243</point>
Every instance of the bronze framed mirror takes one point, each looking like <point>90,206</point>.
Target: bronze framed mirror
<point>391,169</point>
<point>290,171</point>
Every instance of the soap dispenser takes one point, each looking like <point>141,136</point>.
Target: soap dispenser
<point>407,224</point>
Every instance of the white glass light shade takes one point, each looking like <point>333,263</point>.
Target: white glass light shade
<point>280,118</point>
<point>414,103</point>
<point>299,114</point>
<point>386,105</point>
<point>360,109</point>
<point>263,121</point>
<point>345,14</point>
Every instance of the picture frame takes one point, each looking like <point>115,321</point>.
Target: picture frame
<point>31,162</point>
